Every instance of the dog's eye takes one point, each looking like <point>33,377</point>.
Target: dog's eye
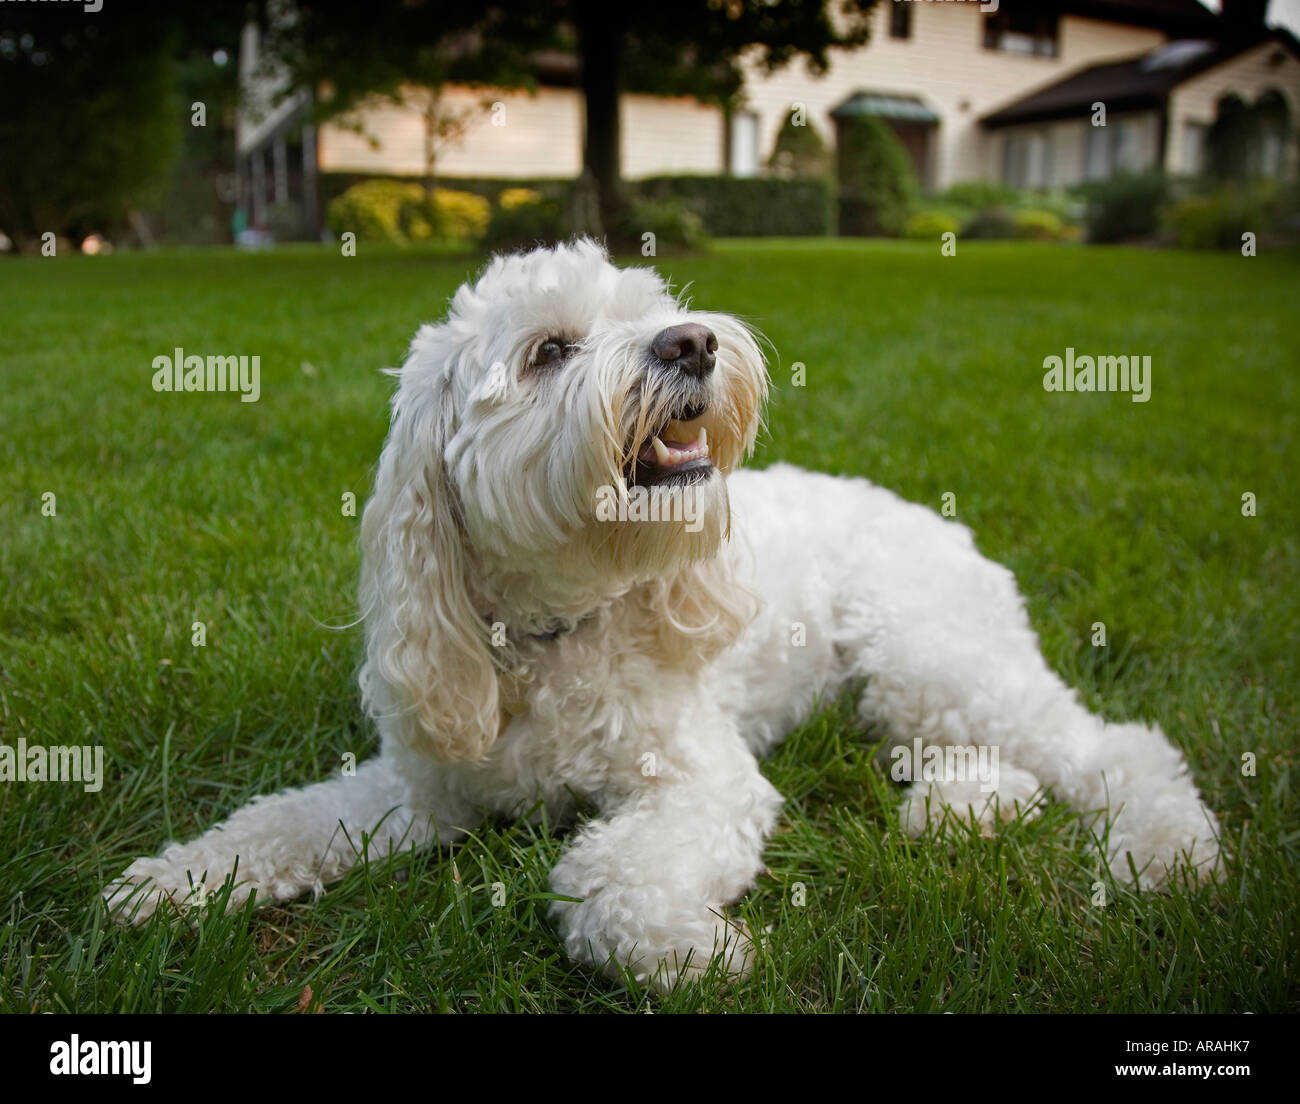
<point>551,351</point>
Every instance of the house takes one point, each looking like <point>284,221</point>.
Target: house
<point>1001,91</point>
<point>1160,109</point>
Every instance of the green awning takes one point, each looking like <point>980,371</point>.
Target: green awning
<point>910,108</point>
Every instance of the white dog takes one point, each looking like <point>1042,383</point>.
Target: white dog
<point>570,593</point>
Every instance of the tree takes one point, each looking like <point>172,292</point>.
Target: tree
<point>91,119</point>
<point>877,182</point>
<point>347,51</point>
<point>799,149</point>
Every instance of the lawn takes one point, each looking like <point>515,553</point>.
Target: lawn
<point>921,372</point>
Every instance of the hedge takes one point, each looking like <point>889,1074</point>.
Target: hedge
<point>748,206</point>
<point>728,206</point>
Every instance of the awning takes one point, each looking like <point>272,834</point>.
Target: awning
<point>908,108</point>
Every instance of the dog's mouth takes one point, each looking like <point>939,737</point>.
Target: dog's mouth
<point>678,452</point>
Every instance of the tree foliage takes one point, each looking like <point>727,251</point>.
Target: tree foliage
<point>91,116</point>
<point>347,51</point>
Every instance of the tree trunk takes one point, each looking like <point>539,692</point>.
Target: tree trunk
<point>430,141</point>
<point>600,43</point>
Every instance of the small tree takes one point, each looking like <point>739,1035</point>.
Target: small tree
<point>799,150</point>
<point>878,186</point>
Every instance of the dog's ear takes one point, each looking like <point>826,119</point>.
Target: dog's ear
<point>429,678</point>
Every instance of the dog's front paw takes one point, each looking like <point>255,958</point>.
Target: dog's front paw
<point>637,931</point>
<point>171,879</point>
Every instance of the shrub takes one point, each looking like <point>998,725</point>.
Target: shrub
<point>977,195</point>
<point>799,151</point>
<point>1217,220</point>
<point>518,197</point>
<point>930,224</point>
<point>522,218</point>
<point>460,216</point>
<point>371,211</point>
<point>1038,225</point>
<point>286,223</point>
<point>672,224</point>
<point>877,183</point>
<point>747,206</point>
<point>1125,207</point>
<point>993,222</point>
<point>400,212</point>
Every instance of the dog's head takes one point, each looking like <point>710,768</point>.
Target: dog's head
<point>558,440</point>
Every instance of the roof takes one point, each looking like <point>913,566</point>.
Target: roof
<point>1179,18</point>
<point>885,105</point>
<point>1134,83</point>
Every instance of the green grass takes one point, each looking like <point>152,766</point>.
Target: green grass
<point>922,373</point>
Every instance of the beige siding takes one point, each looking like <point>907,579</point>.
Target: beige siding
<point>528,136</point>
<point>1269,66</point>
<point>945,63</point>
<point>671,136</point>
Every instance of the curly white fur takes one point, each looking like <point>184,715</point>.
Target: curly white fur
<point>520,650</point>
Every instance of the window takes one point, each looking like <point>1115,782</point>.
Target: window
<point>1271,118</point>
<point>1194,148</point>
<point>1021,31</point>
<point>900,19</point>
<point>1027,159</point>
<point>1116,147</point>
<point>744,144</point>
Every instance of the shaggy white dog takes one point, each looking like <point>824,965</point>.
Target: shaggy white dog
<point>571,595</point>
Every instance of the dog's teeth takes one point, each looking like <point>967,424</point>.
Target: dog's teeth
<point>661,451</point>
<point>704,441</point>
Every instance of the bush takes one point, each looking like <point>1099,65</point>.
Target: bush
<point>523,218</point>
<point>459,216</point>
<point>747,206</point>
<point>977,195</point>
<point>1125,207</point>
<point>1068,207</point>
<point>930,224</point>
<point>993,222</point>
<point>672,224</point>
<point>877,183</point>
<point>400,212</point>
<point>1038,225</point>
<point>1217,220</point>
<point>285,222</point>
<point>799,151</point>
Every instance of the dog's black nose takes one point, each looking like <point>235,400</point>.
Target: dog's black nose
<point>689,347</point>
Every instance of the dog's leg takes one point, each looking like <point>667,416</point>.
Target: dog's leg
<point>966,671</point>
<point>957,794</point>
<point>297,840</point>
<point>655,872</point>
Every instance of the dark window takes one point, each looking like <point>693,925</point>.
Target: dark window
<point>1021,31</point>
<point>900,19</point>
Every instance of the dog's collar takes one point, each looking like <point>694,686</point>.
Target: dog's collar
<point>515,682</point>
